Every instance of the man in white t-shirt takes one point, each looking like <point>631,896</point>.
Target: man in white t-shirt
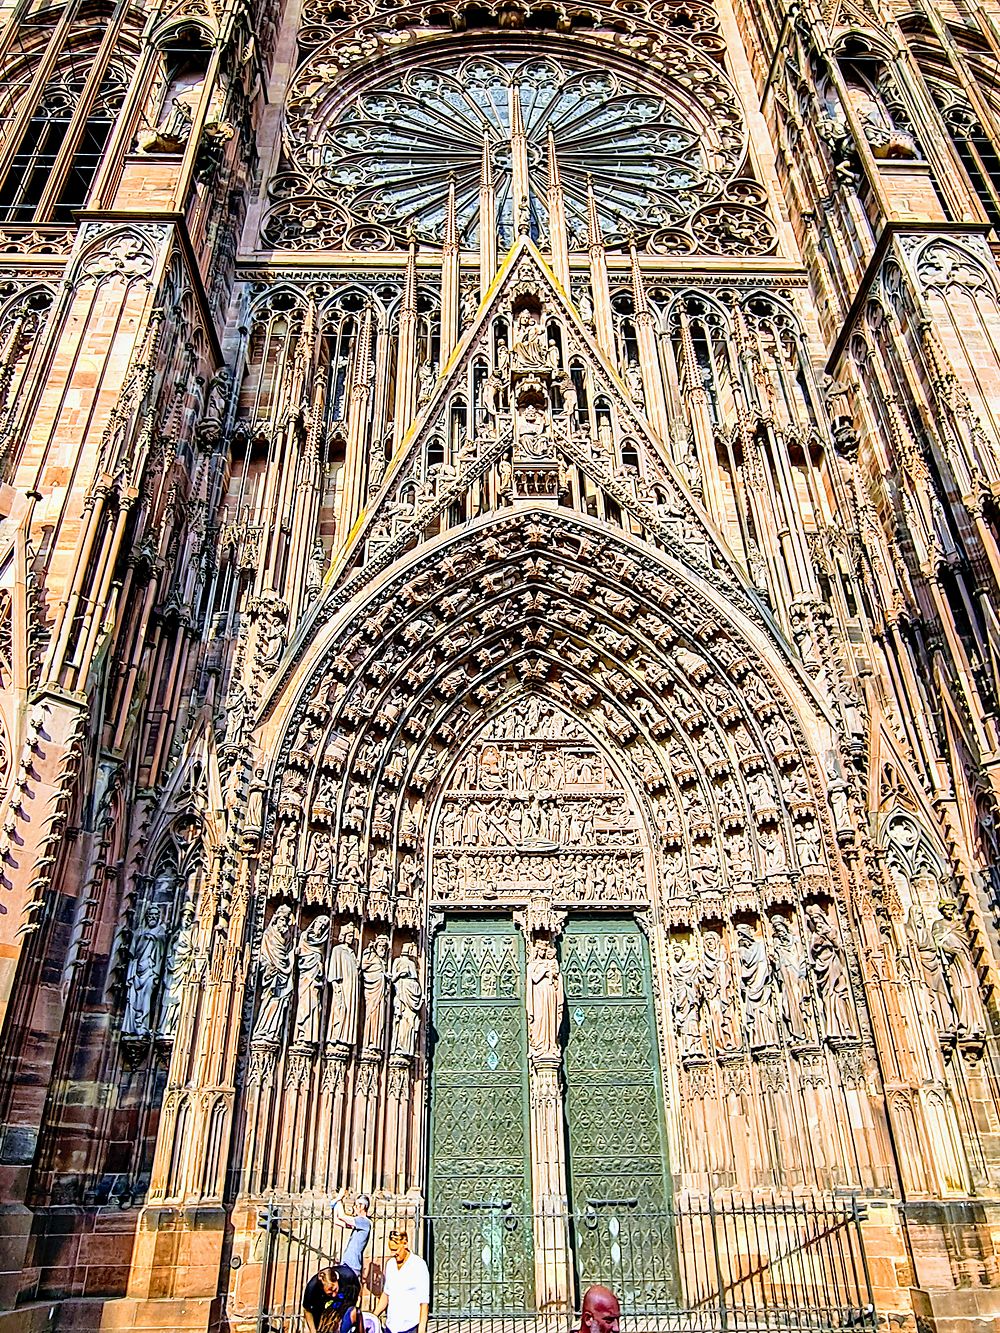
<point>406,1288</point>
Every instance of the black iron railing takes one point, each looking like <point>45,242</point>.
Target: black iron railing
<point>702,1265</point>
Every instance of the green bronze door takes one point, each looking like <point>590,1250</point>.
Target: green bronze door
<point>480,1180</point>
<point>618,1174</point>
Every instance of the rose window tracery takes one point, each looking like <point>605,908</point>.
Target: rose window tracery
<point>385,158</point>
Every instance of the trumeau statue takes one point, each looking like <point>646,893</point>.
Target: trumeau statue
<point>343,975</point>
<point>545,1000</point>
<point>144,969</point>
<point>180,965</point>
<point>408,1001</point>
<point>277,952</point>
<point>375,980</point>
<point>309,1002</point>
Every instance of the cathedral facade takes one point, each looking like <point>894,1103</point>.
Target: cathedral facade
<point>500,658</point>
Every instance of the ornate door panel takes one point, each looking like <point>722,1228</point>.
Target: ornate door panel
<point>480,1184</point>
<point>618,1176</point>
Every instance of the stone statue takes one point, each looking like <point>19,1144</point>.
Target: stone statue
<point>468,306</point>
<point>309,1003</point>
<point>633,382</point>
<point>376,980</point>
<point>829,968</point>
<point>790,970</point>
<point>959,969</point>
<point>276,958</point>
<point>545,1000</point>
<point>530,348</point>
<point>317,566</point>
<point>408,999</point>
<point>930,971</point>
<point>145,966</point>
<point>236,713</point>
<point>342,974</point>
<point>685,985</point>
<point>718,991</point>
<point>756,988</point>
<point>426,379</point>
<point>180,964</point>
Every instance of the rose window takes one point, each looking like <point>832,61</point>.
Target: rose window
<point>384,159</point>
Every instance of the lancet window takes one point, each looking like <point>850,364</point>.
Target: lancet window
<point>55,129</point>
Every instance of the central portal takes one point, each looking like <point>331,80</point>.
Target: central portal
<point>507,1126</point>
<point>548,1163</point>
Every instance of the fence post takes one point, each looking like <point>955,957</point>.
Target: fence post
<point>859,1213</point>
<point>723,1317</point>
<point>266,1222</point>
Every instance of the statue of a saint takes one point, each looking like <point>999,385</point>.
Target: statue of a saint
<point>959,969</point>
<point>375,980</point>
<point>148,945</point>
<point>275,967</point>
<point>929,970</point>
<point>545,1000</point>
<point>685,986</point>
<point>408,1000</point>
<point>790,970</point>
<point>426,380</point>
<point>180,964</point>
<point>236,713</point>
<point>342,973</point>
<point>718,991</point>
<point>829,967</point>
<point>756,988</point>
<point>309,1002</point>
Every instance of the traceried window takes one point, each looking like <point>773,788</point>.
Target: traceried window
<point>45,183</point>
<point>376,160</point>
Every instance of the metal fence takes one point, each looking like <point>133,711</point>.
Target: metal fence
<point>703,1266</point>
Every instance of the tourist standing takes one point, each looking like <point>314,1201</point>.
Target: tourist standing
<point>406,1288</point>
<point>601,1312</point>
<point>359,1225</point>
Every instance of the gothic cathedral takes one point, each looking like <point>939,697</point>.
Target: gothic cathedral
<point>500,659</point>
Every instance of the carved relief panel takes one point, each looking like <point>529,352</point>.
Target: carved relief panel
<point>533,806</point>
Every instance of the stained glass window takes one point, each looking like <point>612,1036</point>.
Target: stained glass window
<point>389,155</point>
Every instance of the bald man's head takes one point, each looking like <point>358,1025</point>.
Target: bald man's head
<point>601,1311</point>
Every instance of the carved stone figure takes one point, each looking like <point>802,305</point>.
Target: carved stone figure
<point>309,1004</point>
<point>181,958</point>
<point>685,985</point>
<point>236,712</point>
<point>633,382</point>
<point>376,980</point>
<point>277,953</point>
<point>717,984</point>
<point>545,1001</point>
<point>145,965</point>
<point>756,987</point>
<point>407,1002</point>
<point>426,379</point>
<point>791,973</point>
<point>342,973</point>
<point>960,974</point>
<point>530,347</point>
<point>828,963</point>
<point>928,970</point>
